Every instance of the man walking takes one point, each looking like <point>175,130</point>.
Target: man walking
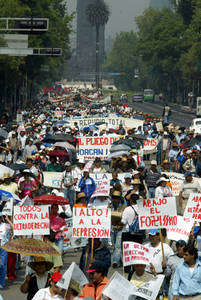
<point>187,279</point>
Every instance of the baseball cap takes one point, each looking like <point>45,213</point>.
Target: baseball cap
<point>97,266</point>
<point>153,231</point>
<point>128,175</point>
<point>56,276</point>
<point>67,164</point>
<point>188,173</point>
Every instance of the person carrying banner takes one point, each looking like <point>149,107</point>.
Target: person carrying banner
<point>186,282</point>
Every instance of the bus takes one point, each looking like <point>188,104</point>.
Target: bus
<point>149,95</point>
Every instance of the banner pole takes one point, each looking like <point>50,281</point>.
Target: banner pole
<point>92,249</point>
<point>162,247</point>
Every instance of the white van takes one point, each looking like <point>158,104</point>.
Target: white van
<point>198,108</point>
<point>196,125</point>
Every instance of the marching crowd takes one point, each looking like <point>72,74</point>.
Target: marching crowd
<point>37,144</point>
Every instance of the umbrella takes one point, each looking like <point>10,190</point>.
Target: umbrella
<point>120,147</point>
<point>192,142</point>
<point>65,145</point>
<point>30,247</point>
<point>50,199</point>
<point>118,153</point>
<point>3,133</point>
<point>4,196</point>
<point>18,167</point>
<point>61,154</point>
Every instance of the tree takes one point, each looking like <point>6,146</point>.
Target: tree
<point>98,15</point>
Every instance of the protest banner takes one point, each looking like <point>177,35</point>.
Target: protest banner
<point>193,207</point>
<point>157,213</point>
<point>31,220</point>
<point>69,241</point>
<point>134,253</point>
<point>181,231</point>
<point>176,180</point>
<point>150,146</point>
<point>103,189</point>
<point>52,179</point>
<point>118,288</point>
<point>92,147</point>
<point>4,169</point>
<point>8,208</point>
<point>58,113</point>
<point>91,222</point>
<point>159,126</point>
<point>151,288</point>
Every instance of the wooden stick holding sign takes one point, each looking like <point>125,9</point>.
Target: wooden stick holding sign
<point>92,249</point>
<point>162,248</point>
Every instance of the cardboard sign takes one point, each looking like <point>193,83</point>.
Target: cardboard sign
<point>118,288</point>
<point>150,145</point>
<point>31,220</point>
<point>181,231</point>
<point>134,253</point>
<point>92,147</point>
<point>150,289</point>
<point>103,189</point>
<point>193,207</point>
<point>69,241</point>
<point>161,213</point>
<point>52,179</point>
<point>91,222</point>
<point>176,180</point>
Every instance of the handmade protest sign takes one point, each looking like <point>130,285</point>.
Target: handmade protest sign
<point>193,207</point>
<point>150,289</point>
<point>92,147</point>
<point>69,241</point>
<point>102,189</point>
<point>134,253</point>
<point>157,213</point>
<point>176,180</point>
<point>52,179</point>
<point>91,222</point>
<point>31,220</point>
<point>150,145</point>
<point>181,231</point>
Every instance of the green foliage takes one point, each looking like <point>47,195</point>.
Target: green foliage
<point>98,13</point>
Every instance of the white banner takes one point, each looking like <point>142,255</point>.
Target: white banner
<point>69,241</point>
<point>150,145</point>
<point>4,169</point>
<point>31,220</point>
<point>151,289</point>
<point>176,180</point>
<point>91,222</point>
<point>134,253</point>
<point>181,231</point>
<point>103,189</point>
<point>161,213</point>
<point>193,207</point>
<point>98,146</point>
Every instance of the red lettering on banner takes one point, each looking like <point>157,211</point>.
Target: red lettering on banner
<point>81,222</point>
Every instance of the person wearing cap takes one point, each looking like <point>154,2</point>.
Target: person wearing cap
<point>38,279</point>
<point>152,175</point>
<point>165,166</point>
<point>156,256</point>
<point>97,283</point>
<point>68,183</point>
<point>163,190</point>
<point>190,185</point>
<point>29,149</point>
<point>127,185</point>
<point>190,163</point>
<point>187,278</point>
<point>52,292</point>
<point>173,262</point>
<point>80,200</point>
<point>80,167</point>
<point>87,185</point>
<point>115,179</point>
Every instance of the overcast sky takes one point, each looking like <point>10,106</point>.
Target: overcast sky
<point>123,13</point>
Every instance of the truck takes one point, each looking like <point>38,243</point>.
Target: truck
<point>149,95</point>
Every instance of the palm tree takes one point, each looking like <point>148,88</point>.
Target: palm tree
<point>98,15</point>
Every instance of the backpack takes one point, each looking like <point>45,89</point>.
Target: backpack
<point>135,226</point>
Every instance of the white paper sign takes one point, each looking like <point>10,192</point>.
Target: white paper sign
<point>157,213</point>
<point>52,179</point>
<point>69,241</point>
<point>193,207</point>
<point>150,145</point>
<point>31,220</point>
<point>91,222</point>
<point>151,289</point>
<point>181,231</point>
<point>103,189</point>
<point>176,180</point>
<point>134,253</point>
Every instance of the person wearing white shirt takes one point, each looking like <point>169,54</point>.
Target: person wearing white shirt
<point>52,292</point>
<point>163,190</point>
<point>156,256</point>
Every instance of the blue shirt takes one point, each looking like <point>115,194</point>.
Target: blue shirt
<point>185,283</point>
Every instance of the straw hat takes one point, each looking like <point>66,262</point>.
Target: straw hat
<point>38,260</point>
<point>136,181</point>
<point>74,285</point>
<point>6,176</point>
<point>81,195</point>
<point>116,194</point>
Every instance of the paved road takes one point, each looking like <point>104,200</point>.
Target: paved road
<point>179,116</point>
